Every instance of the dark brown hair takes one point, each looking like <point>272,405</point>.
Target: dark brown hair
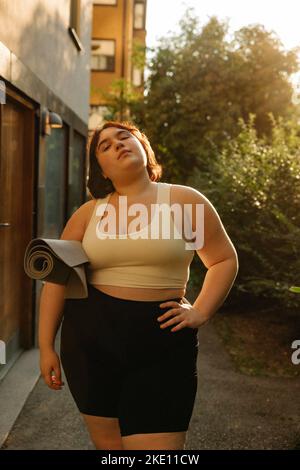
<point>99,186</point>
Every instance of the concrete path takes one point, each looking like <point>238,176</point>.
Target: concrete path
<point>232,411</point>
<point>235,411</point>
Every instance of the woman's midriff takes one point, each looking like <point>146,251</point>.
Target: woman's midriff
<point>130,293</point>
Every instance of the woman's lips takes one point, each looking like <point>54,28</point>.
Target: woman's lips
<point>124,154</point>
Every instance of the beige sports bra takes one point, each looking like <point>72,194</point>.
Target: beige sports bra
<point>145,258</point>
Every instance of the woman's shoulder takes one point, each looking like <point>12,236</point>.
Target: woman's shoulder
<point>90,203</point>
<point>79,220</point>
<point>187,194</point>
<point>87,210</point>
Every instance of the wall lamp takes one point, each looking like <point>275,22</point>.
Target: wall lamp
<point>50,120</point>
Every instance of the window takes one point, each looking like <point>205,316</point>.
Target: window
<point>137,77</point>
<point>139,15</point>
<point>103,55</point>
<point>52,197</point>
<point>105,2</point>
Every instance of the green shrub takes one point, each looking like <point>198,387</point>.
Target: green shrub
<point>255,187</point>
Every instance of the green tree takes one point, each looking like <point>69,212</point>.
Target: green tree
<point>263,80</point>
<point>200,83</point>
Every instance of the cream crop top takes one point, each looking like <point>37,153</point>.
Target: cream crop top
<point>133,260</point>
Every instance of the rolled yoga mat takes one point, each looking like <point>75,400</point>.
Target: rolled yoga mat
<point>60,262</point>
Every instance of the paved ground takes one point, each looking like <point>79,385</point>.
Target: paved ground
<point>232,411</point>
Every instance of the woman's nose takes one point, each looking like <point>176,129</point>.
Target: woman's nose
<point>119,144</point>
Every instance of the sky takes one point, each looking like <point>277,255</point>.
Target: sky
<point>282,16</point>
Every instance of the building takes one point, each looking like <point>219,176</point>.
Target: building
<point>44,79</point>
<point>118,47</point>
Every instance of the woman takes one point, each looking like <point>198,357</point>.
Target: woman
<point>129,350</point>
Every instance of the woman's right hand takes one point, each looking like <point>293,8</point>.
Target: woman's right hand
<point>50,366</point>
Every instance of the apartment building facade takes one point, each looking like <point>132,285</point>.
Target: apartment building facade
<point>117,48</point>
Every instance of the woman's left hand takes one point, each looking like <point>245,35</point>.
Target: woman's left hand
<point>183,315</point>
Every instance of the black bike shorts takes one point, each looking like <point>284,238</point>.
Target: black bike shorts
<point>119,363</point>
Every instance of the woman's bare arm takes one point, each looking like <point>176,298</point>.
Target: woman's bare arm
<point>218,254</point>
<point>52,297</point>
<point>52,301</point>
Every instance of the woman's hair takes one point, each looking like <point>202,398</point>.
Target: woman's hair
<point>99,186</point>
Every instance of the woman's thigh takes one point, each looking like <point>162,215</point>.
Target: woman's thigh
<point>160,397</point>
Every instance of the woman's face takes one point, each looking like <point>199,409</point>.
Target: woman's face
<point>113,141</point>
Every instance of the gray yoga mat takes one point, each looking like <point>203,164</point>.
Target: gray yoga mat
<point>60,262</point>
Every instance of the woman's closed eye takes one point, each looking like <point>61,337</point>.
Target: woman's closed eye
<point>106,148</point>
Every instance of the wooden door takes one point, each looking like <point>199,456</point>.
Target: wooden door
<point>16,224</point>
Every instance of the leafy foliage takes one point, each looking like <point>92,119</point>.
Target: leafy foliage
<point>200,84</point>
<point>256,189</point>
